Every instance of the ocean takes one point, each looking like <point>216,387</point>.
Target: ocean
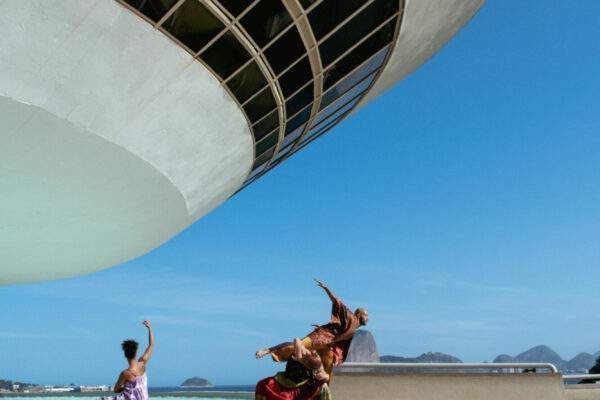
<point>237,392</point>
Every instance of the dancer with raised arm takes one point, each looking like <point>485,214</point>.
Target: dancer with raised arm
<point>304,378</point>
<point>133,381</point>
<point>332,340</point>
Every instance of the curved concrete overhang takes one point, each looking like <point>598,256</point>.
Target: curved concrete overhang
<point>427,25</point>
<point>113,139</point>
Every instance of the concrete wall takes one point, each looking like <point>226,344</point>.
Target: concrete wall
<point>112,138</point>
<point>427,25</point>
<point>452,386</point>
<point>583,392</point>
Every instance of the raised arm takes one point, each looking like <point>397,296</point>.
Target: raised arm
<point>299,350</point>
<point>146,356</point>
<point>329,293</point>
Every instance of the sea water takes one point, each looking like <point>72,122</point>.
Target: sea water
<point>204,395</point>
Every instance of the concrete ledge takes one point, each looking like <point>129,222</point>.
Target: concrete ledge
<point>449,386</point>
<point>583,392</point>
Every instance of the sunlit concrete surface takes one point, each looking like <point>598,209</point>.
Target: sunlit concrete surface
<point>449,386</point>
<point>112,139</point>
<point>583,392</point>
<point>427,25</point>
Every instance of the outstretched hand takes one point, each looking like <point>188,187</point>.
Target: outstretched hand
<point>146,324</point>
<point>321,284</point>
<point>326,289</point>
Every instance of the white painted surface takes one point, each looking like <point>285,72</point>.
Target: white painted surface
<point>112,139</point>
<point>427,25</point>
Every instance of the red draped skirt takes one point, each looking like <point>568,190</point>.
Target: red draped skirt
<point>270,389</point>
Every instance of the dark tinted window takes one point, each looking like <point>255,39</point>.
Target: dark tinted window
<point>299,119</point>
<point>358,89</point>
<point>317,131</point>
<point>336,113</point>
<point>283,152</point>
<point>235,7</point>
<point>266,20</point>
<point>365,50</point>
<point>356,29</point>
<point>260,105</point>
<point>266,125</point>
<point>256,172</point>
<point>301,99</point>
<point>287,49</point>
<point>247,82</point>
<point>264,158</point>
<point>291,137</point>
<point>273,164</point>
<point>193,25</point>
<point>267,142</point>
<point>295,78</point>
<point>354,78</point>
<point>330,13</point>
<point>153,9</point>
<point>225,55</point>
<point>307,3</point>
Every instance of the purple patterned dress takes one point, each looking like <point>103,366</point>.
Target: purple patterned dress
<point>136,390</point>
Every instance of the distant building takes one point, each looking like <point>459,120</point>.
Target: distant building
<point>101,388</point>
<point>59,389</point>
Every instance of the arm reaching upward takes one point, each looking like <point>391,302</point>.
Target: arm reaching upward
<point>146,356</point>
<point>332,297</point>
<point>299,350</point>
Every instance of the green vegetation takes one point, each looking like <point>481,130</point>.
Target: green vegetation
<point>8,384</point>
<point>596,368</point>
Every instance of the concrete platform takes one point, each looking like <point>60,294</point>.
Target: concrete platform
<point>457,386</point>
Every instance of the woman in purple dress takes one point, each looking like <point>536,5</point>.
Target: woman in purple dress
<point>133,382</point>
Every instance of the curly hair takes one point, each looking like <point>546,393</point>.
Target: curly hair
<point>130,348</point>
<point>313,361</point>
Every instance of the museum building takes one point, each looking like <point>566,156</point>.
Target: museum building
<point>125,121</point>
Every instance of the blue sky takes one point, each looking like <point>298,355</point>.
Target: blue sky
<point>461,208</point>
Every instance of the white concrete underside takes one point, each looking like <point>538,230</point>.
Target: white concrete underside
<point>427,25</point>
<point>112,139</point>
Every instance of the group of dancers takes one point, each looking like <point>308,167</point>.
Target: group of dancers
<point>309,361</point>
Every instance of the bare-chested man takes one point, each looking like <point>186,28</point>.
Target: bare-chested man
<point>331,341</point>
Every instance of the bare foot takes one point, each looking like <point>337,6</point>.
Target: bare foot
<point>261,353</point>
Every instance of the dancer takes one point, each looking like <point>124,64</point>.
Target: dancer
<point>332,340</point>
<point>304,378</point>
<point>133,382</point>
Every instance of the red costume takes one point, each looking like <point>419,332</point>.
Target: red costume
<point>331,341</point>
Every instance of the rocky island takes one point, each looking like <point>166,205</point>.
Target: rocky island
<point>196,382</point>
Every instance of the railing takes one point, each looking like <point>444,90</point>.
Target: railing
<point>523,366</point>
<point>450,366</point>
<point>582,376</point>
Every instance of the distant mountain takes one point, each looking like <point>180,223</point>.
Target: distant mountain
<point>196,382</point>
<point>540,353</point>
<point>431,357</point>
<point>362,348</point>
<point>504,358</point>
<point>579,364</point>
